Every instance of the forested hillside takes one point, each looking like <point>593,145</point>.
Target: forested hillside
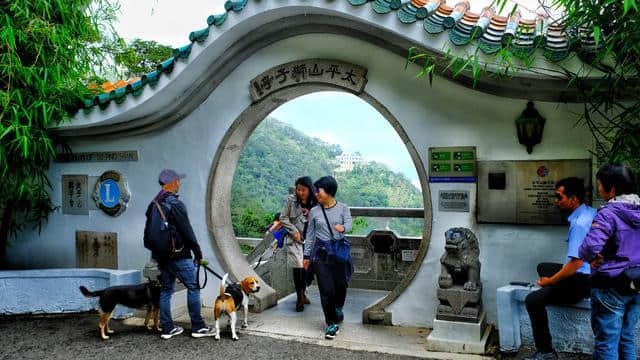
<point>276,154</point>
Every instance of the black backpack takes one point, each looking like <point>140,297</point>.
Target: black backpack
<point>162,240</point>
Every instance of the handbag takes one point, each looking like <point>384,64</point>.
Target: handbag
<point>340,249</point>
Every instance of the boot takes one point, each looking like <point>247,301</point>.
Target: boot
<point>303,283</point>
<point>299,290</point>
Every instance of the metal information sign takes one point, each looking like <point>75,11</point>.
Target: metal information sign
<point>526,190</point>
<point>453,201</point>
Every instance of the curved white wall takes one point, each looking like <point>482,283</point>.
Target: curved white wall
<point>446,114</point>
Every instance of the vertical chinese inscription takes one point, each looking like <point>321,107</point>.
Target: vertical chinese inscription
<point>337,73</point>
<point>75,194</point>
<point>96,249</point>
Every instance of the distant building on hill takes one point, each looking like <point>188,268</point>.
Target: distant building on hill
<point>347,161</point>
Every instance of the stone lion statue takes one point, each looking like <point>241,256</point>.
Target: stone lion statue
<point>460,262</point>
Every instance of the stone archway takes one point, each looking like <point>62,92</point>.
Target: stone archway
<point>227,156</point>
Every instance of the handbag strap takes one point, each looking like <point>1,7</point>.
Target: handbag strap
<point>327,220</point>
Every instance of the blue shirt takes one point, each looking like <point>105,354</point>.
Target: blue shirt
<point>580,222</point>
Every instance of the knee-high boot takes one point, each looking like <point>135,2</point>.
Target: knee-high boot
<point>297,280</point>
<point>303,284</point>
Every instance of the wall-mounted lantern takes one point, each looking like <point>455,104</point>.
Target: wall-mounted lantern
<point>530,125</point>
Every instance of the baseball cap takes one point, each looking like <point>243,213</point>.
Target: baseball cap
<point>168,175</point>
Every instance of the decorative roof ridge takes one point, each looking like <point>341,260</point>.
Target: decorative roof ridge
<point>490,31</point>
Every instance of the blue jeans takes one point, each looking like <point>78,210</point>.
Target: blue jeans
<point>613,319</point>
<point>186,272</point>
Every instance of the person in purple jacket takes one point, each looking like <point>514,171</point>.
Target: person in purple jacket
<point>612,246</point>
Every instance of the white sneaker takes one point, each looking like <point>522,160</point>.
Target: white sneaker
<point>177,330</point>
<point>205,331</point>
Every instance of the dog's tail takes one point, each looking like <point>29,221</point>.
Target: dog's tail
<point>222,284</point>
<point>88,293</point>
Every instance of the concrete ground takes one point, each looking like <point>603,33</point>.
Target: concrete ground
<point>279,333</point>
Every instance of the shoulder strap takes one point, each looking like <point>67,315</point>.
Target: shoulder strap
<point>327,220</point>
<point>164,218</point>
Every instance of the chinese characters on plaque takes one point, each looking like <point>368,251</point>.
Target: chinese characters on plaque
<point>75,194</point>
<point>332,72</point>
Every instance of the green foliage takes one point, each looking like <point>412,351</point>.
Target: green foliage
<point>276,154</point>
<point>47,51</point>
<point>611,101</point>
<point>140,56</point>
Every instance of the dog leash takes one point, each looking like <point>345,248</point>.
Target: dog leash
<point>205,265</point>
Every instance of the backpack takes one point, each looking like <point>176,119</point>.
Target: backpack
<point>162,240</point>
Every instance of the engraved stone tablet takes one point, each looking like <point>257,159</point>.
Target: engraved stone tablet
<point>96,249</point>
<point>75,194</point>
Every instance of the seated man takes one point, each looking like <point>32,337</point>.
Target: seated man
<point>566,284</point>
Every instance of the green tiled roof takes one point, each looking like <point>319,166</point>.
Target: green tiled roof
<point>489,33</point>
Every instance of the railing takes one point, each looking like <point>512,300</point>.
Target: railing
<point>387,212</point>
<point>378,212</point>
<point>381,258</point>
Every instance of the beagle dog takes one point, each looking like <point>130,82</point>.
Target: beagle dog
<point>230,298</point>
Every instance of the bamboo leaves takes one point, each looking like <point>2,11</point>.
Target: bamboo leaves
<point>47,50</point>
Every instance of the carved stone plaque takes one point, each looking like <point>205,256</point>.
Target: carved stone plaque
<point>523,192</point>
<point>332,72</point>
<point>75,194</point>
<point>96,249</point>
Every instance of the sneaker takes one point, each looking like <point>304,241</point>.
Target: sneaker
<point>332,331</point>
<point>205,331</point>
<point>339,315</point>
<point>543,356</point>
<point>177,330</point>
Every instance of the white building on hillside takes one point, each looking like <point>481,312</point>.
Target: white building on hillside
<point>347,161</point>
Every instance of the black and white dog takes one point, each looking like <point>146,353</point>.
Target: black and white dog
<point>146,295</point>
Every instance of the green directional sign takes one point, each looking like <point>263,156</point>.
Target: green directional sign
<point>463,155</point>
<point>441,167</point>
<point>452,164</point>
<point>463,167</point>
<point>441,156</point>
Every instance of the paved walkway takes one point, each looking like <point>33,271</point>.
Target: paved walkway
<point>279,333</point>
<point>76,337</point>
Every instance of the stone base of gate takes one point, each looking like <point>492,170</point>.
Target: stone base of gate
<point>459,337</point>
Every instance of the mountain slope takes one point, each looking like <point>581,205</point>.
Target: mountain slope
<point>276,154</point>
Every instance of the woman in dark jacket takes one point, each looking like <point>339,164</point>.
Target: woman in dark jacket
<point>294,217</point>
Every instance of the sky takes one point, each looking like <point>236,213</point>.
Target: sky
<point>346,120</point>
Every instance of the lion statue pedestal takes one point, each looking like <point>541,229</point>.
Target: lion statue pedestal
<point>460,325</point>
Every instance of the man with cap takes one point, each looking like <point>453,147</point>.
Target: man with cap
<point>179,265</point>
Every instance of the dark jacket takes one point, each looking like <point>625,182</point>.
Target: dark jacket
<point>176,216</point>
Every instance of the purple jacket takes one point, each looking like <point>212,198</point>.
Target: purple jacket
<point>615,234</point>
